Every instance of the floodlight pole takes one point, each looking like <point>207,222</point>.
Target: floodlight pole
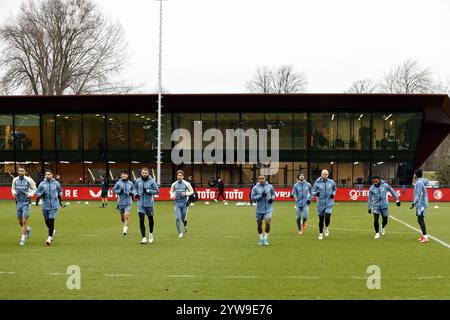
<point>160,89</point>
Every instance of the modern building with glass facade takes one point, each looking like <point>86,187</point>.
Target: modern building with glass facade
<point>353,136</point>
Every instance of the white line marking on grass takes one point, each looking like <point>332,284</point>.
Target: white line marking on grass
<point>56,274</point>
<point>366,230</point>
<point>415,229</point>
<point>304,277</point>
<point>10,273</point>
<point>117,275</point>
<point>180,276</point>
<point>241,277</point>
<point>430,277</point>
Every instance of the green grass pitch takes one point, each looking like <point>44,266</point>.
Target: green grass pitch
<point>219,257</point>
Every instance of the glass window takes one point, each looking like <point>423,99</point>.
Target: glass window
<point>316,170</point>
<point>324,131</point>
<point>408,130</point>
<point>188,121</point>
<point>27,133</point>
<point>300,131</point>
<point>248,173</point>
<point>362,173</point>
<point>33,168</point>
<point>284,123</point>
<point>48,132</point>
<point>7,172</point>
<point>299,167</point>
<point>71,172</point>
<point>361,131</point>
<point>345,174</point>
<point>6,133</point>
<point>117,132</point>
<point>384,131</point>
<point>283,177</point>
<point>136,167</point>
<point>94,137</point>
<point>68,132</point>
<point>229,174</point>
<point>227,121</point>
<point>344,132</point>
<point>93,170</point>
<point>252,121</point>
<point>143,131</point>
<point>166,132</point>
<point>69,148</point>
<point>386,171</point>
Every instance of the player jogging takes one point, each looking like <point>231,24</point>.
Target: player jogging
<point>421,203</point>
<point>23,189</point>
<point>146,188</point>
<point>180,192</point>
<point>378,200</point>
<point>325,190</point>
<point>263,194</point>
<point>302,192</point>
<point>125,191</point>
<point>50,192</point>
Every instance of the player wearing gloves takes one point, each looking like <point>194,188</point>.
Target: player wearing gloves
<point>325,191</point>
<point>146,188</point>
<point>50,192</point>
<point>378,200</point>
<point>421,203</point>
<point>263,194</point>
<point>302,192</point>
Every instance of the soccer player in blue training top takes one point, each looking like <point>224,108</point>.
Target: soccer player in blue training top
<point>302,192</point>
<point>180,192</point>
<point>146,188</point>
<point>125,191</point>
<point>50,192</point>
<point>378,200</point>
<point>263,194</point>
<point>325,190</point>
<point>23,189</point>
<point>421,203</point>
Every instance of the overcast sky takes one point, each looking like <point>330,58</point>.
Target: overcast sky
<point>216,45</point>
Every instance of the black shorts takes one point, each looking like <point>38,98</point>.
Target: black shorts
<point>104,194</point>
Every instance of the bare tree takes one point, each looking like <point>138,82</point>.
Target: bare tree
<point>282,80</point>
<point>55,47</point>
<point>409,77</point>
<point>362,86</point>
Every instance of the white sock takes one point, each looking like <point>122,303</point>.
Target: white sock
<point>425,236</point>
<point>23,238</point>
<point>261,236</point>
<point>266,236</point>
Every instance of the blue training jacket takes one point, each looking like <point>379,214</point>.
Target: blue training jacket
<point>325,188</point>
<point>52,189</point>
<point>262,203</point>
<point>123,188</point>
<point>146,190</point>
<point>302,192</point>
<point>378,196</point>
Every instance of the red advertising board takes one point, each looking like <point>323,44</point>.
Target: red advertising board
<point>83,193</point>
